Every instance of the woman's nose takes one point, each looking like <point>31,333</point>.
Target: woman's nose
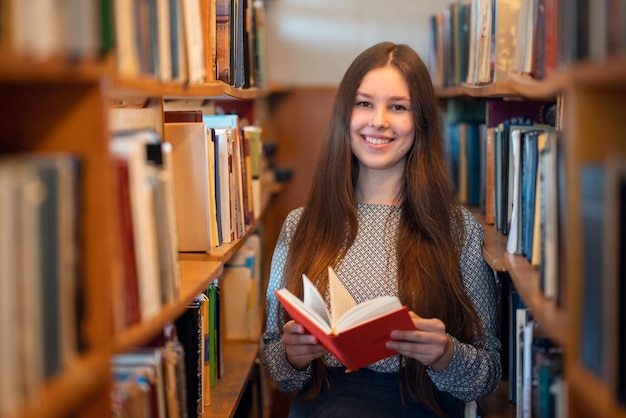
<point>380,118</point>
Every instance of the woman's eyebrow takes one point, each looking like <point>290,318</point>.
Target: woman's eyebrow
<point>369,96</point>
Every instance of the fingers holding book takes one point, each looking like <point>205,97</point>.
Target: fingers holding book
<point>428,343</point>
<point>300,346</point>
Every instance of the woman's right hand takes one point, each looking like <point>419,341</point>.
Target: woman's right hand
<point>301,347</point>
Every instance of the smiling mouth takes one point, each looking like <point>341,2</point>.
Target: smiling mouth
<point>376,141</point>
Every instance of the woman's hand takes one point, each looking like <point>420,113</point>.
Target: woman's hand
<point>301,347</point>
<point>428,343</point>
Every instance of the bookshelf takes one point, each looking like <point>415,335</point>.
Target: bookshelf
<point>595,96</point>
<point>592,92</point>
<point>59,104</point>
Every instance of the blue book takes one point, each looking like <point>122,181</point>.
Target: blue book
<point>592,211</point>
<point>472,149</point>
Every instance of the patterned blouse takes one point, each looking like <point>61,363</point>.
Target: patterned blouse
<point>367,272</point>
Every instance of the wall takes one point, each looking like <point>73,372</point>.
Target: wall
<point>312,42</point>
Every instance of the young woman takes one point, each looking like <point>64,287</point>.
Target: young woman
<point>381,212</point>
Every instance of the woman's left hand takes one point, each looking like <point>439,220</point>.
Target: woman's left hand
<point>428,343</point>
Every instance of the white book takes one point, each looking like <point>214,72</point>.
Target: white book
<point>29,278</point>
<point>35,28</point>
<point>223,162</point>
<point>191,184</point>
<point>131,146</point>
<point>241,289</point>
<point>165,226</point>
<point>10,396</point>
<point>164,39</point>
<point>124,28</point>
<point>194,41</point>
<point>514,229</point>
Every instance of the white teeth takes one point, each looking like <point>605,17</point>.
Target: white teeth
<point>376,141</point>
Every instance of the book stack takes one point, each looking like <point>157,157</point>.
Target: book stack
<point>216,176</point>
<point>147,222</point>
<point>40,273</point>
<point>190,41</point>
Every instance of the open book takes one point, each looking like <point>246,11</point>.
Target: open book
<point>354,333</point>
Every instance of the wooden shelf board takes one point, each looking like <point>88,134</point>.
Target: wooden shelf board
<point>610,73</point>
<point>239,359</point>
<point>494,244</point>
<point>498,89</point>
<point>195,278</point>
<point>497,405</point>
<point>549,88</point>
<point>221,253</point>
<point>149,86</point>
<point>551,318</point>
<point>72,388</point>
<point>591,395</point>
<point>21,69</point>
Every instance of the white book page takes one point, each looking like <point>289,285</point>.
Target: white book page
<point>307,310</point>
<point>314,300</point>
<point>365,311</point>
<point>340,299</point>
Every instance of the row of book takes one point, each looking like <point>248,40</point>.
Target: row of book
<point>173,375</point>
<point>536,383</point>
<point>190,41</point>
<point>217,180</point>
<point>483,41</point>
<point>45,29</point>
<point>506,160</point>
<point>192,190</point>
<point>532,363</point>
<point>603,243</point>
<point>182,41</point>
<point>40,273</point>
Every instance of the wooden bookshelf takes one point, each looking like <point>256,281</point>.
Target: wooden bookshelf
<point>79,385</point>
<point>594,95</point>
<point>497,405</point>
<point>148,86</point>
<point>239,360</point>
<point>225,251</point>
<point>195,278</point>
<point>494,246</point>
<point>553,319</point>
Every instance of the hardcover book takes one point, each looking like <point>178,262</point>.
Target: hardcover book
<point>354,333</point>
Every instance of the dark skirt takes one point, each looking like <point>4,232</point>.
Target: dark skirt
<point>366,393</point>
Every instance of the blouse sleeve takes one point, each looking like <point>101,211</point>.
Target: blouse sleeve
<point>274,357</point>
<point>476,369</point>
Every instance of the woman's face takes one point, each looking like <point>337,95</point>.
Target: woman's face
<point>381,125</point>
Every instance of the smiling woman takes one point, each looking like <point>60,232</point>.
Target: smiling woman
<point>382,214</point>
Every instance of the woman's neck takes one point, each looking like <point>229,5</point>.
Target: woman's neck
<point>377,187</point>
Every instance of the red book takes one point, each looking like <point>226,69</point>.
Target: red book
<point>354,333</point>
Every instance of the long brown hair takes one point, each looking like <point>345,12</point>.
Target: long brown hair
<point>430,234</point>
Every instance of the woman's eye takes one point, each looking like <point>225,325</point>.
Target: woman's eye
<point>363,103</point>
<point>398,108</point>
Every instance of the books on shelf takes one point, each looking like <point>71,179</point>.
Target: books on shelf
<point>40,276</point>
<point>493,39</point>
<point>354,333</point>
<point>603,187</point>
<point>67,30</point>
<point>147,224</point>
<point>190,41</point>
